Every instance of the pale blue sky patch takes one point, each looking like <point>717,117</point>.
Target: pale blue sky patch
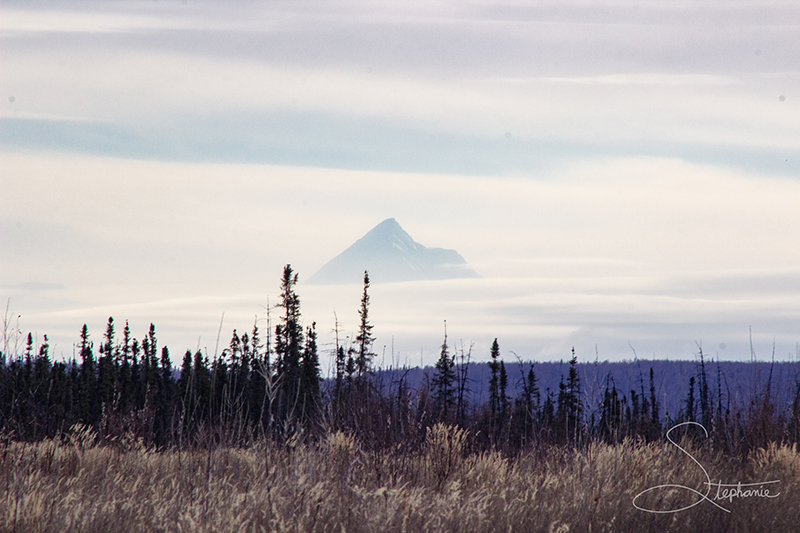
<point>366,144</point>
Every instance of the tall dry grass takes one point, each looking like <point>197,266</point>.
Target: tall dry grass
<point>73,484</point>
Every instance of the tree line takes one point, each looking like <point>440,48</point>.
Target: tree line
<point>269,385</point>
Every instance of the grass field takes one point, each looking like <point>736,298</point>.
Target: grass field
<point>74,484</point>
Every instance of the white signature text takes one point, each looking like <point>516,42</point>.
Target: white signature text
<point>725,491</point>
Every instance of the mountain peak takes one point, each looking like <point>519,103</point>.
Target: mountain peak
<point>387,234</point>
<point>389,228</point>
<point>390,254</point>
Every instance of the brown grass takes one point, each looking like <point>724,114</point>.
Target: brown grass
<point>75,485</point>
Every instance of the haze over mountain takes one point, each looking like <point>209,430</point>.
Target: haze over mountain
<point>390,254</point>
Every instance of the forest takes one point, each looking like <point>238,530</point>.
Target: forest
<point>269,384</point>
<point>262,403</point>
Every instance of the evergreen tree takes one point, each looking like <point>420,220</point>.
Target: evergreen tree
<point>137,380</point>
<point>364,339</point>
<point>74,392</point>
<point>87,393</point>
<point>107,347</point>
<point>126,387</point>
<point>29,348</point>
<point>150,349</point>
<point>443,382</point>
<point>494,387</point>
<point>236,355</point>
<point>350,365</point>
<point>311,401</point>
<point>42,388</point>
<point>655,423</point>
<point>341,372</point>
<point>502,405</point>
<point>186,398</point>
<point>288,346</point>
<point>341,367</point>
<point>234,350</point>
<point>184,380</point>
<point>611,413</point>
<point>527,405</point>
<point>534,397</point>
<point>166,368</point>
<point>106,368</point>
<point>548,415</point>
<point>569,402</point>
<point>690,405</point>
<point>461,378</point>
<point>60,392</point>
<point>164,407</point>
<point>705,399</point>
<point>22,404</point>
<point>201,386</point>
<point>219,402</point>
<point>126,342</point>
<point>636,414</point>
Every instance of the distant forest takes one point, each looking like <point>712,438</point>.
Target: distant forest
<point>269,385</point>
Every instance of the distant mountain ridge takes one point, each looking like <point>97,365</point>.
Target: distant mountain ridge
<point>391,255</point>
<point>739,382</point>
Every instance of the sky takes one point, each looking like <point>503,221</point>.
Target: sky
<point>624,175</point>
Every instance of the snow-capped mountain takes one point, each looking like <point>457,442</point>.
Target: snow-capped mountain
<point>390,254</point>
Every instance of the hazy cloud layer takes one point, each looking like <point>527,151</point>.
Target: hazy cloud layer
<point>375,85</point>
<point>658,253</point>
<point>618,172</point>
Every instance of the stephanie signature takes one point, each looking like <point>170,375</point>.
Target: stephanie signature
<point>725,491</point>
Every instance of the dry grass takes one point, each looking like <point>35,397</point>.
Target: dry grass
<point>76,485</point>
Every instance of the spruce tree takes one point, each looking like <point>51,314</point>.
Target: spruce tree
<point>126,388</point>
<point>311,376</point>
<point>705,398</point>
<point>530,401</point>
<point>443,382</point>
<point>185,390</point>
<point>137,380</point>
<point>461,379</point>
<point>166,368</point>
<point>150,349</point>
<point>42,389</point>
<point>126,342</point>
<point>255,386</point>
<point>364,339</point>
<point>690,404</point>
<point>655,423</point>
<point>610,413</point>
<point>164,407</point>
<point>200,385</point>
<point>87,393</point>
<point>533,392</point>
<point>569,403</point>
<point>288,346</point>
<point>575,408</point>
<point>106,367</point>
<point>494,387</point>
<point>502,404</point>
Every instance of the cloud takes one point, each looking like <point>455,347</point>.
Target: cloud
<point>616,174</point>
<point>657,252</point>
<point>153,90</point>
<point>296,84</point>
<point>537,319</point>
<point>641,210</point>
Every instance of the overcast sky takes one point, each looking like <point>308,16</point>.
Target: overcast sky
<point>624,175</point>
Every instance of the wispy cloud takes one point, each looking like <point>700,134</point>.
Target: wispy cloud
<point>494,80</point>
<point>617,174</point>
<point>656,252</point>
